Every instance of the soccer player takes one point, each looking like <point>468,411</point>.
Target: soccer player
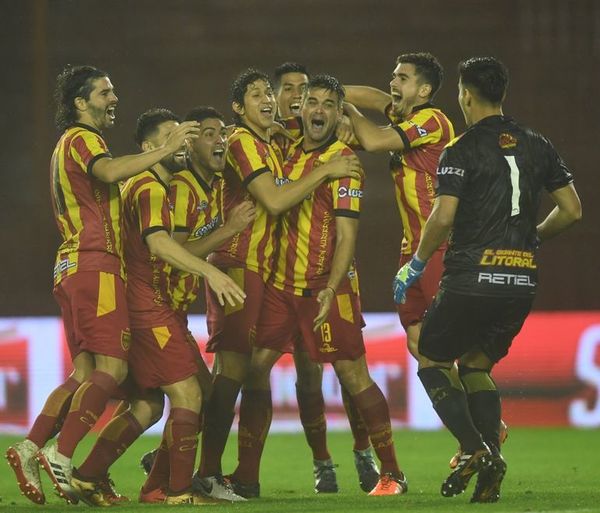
<point>291,80</point>
<point>146,409</point>
<point>88,275</point>
<point>313,290</point>
<point>489,189</point>
<point>416,136</point>
<point>253,171</point>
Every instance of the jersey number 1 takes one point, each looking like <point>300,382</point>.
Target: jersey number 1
<point>514,182</point>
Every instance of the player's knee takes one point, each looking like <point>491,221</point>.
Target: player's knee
<point>258,375</point>
<point>115,367</point>
<point>353,375</point>
<point>185,394</point>
<point>309,376</point>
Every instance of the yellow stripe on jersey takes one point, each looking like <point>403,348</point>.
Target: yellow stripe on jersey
<point>409,199</point>
<point>157,195</point>
<point>161,335</point>
<point>185,202</point>
<point>107,301</point>
<point>71,204</point>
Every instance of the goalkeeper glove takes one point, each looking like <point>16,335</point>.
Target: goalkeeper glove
<point>406,276</point>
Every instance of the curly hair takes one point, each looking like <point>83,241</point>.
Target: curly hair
<point>73,82</point>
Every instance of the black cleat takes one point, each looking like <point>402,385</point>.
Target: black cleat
<point>246,490</point>
<point>468,466</point>
<point>147,461</point>
<point>489,481</point>
<point>325,477</point>
<point>367,469</point>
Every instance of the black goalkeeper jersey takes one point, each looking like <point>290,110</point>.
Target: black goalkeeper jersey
<point>498,170</point>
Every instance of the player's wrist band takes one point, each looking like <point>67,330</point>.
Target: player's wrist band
<point>418,264</point>
<point>332,289</point>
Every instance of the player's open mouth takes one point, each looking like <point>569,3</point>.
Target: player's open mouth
<point>110,112</point>
<point>267,111</point>
<point>317,124</point>
<point>295,108</point>
<point>218,153</point>
<point>396,98</point>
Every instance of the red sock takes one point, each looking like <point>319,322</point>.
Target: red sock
<point>218,418</point>
<point>49,422</point>
<point>182,440</point>
<point>374,410</point>
<point>357,425</point>
<point>311,407</point>
<point>160,473</point>
<point>256,411</point>
<point>114,440</point>
<point>86,407</point>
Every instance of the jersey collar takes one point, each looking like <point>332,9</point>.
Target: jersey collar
<point>158,179</point>
<point>206,187</point>
<point>87,127</point>
<point>246,127</point>
<point>333,139</point>
<point>427,105</point>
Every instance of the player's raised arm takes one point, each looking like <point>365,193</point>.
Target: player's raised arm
<point>366,97</point>
<point>113,170</point>
<point>371,136</point>
<point>280,199</point>
<point>164,247</point>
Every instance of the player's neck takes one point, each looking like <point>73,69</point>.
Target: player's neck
<point>84,119</point>
<point>207,176</point>
<point>163,173</point>
<point>263,133</point>
<point>483,111</point>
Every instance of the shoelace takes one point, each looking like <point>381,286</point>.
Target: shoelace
<point>385,482</point>
<point>325,469</point>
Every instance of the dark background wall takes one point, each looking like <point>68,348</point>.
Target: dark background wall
<point>181,53</point>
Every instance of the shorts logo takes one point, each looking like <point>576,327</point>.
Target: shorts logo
<point>326,346</point>
<point>62,266</point>
<point>349,192</point>
<point>507,141</point>
<point>449,170</point>
<point>125,340</point>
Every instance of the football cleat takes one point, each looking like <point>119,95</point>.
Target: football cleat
<point>156,496</point>
<point>107,486</point>
<point>367,469</point>
<point>468,466</point>
<point>325,477</point>
<point>60,471</point>
<point>188,498</point>
<point>489,481</point>
<point>215,487</point>
<point>390,484</point>
<point>503,436</point>
<point>245,490</point>
<point>21,458</point>
<point>89,492</point>
<point>147,460</point>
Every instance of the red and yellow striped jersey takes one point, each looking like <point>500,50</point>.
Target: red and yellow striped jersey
<point>146,210</point>
<point>87,211</point>
<point>197,211</point>
<point>294,127</point>
<point>308,232</point>
<point>248,157</point>
<point>425,133</point>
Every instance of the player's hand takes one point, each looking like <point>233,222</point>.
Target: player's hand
<point>278,129</point>
<point>344,131</point>
<point>324,299</point>
<point>224,287</point>
<point>405,277</point>
<point>182,132</point>
<point>342,166</point>
<point>241,216</point>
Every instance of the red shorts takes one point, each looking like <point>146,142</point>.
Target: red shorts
<point>94,312</point>
<point>162,355</point>
<point>285,317</point>
<point>233,328</point>
<point>420,295</point>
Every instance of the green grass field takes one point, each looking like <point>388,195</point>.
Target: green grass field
<point>549,470</point>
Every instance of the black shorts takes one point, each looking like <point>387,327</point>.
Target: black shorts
<point>458,323</point>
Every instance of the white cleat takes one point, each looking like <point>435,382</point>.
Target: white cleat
<point>60,472</point>
<point>21,458</point>
<point>215,487</point>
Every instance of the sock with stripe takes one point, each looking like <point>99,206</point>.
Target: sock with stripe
<point>311,407</point>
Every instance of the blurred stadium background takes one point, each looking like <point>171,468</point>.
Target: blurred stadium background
<point>184,53</point>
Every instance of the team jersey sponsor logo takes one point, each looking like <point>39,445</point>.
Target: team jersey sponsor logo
<point>518,280</point>
<point>208,227</point>
<point>62,266</point>
<point>202,205</point>
<point>422,132</point>
<point>508,258</point>
<point>507,141</point>
<point>350,192</point>
<point>279,181</point>
<point>449,170</point>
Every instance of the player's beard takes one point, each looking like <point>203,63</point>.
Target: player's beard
<point>172,164</point>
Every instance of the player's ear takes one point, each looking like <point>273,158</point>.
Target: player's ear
<point>237,108</point>
<point>147,146</point>
<point>80,103</point>
<point>425,90</point>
